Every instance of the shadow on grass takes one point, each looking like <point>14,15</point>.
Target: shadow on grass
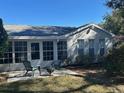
<point>15,88</point>
<point>103,79</point>
<point>98,78</point>
<point>96,75</point>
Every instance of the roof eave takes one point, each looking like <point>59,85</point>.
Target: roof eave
<point>35,37</point>
<point>87,26</point>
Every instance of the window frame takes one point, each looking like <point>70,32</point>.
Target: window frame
<point>91,47</point>
<point>62,49</point>
<point>20,51</point>
<point>80,46</point>
<point>48,50</point>
<point>35,51</point>
<point>102,47</point>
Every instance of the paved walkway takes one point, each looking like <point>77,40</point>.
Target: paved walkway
<point>18,75</point>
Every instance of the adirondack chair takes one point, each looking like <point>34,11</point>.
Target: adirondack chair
<point>50,68</point>
<point>54,65</point>
<point>28,67</point>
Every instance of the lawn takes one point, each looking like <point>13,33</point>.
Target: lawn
<point>88,83</point>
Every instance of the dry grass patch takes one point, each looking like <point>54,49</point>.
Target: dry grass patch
<point>3,78</point>
<point>60,84</point>
<point>44,85</point>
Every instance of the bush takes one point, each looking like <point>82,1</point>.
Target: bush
<point>114,61</point>
<point>84,59</point>
<point>66,62</point>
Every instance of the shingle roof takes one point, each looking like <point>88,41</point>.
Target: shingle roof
<point>23,30</point>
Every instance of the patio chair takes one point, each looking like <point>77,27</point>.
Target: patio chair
<point>49,69</point>
<point>28,67</point>
<point>54,65</point>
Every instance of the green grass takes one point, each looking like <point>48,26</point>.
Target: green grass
<point>62,84</point>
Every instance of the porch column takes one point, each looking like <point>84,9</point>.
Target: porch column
<point>41,50</point>
<point>13,52</point>
<point>28,50</point>
<point>55,50</point>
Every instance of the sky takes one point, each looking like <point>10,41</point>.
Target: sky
<point>52,12</point>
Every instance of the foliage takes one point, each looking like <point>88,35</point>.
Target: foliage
<point>115,4</point>
<point>3,38</point>
<point>101,59</point>
<point>115,22</point>
<point>114,61</point>
<point>84,59</point>
<point>67,62</point>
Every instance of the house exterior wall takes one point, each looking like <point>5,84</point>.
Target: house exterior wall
<point>87,34</point>
<point>35,63</point>
<point>72,46</point>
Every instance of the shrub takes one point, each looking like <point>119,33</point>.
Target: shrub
<point>67,62</point>
<point>84,59</point>
<point>114,61</point>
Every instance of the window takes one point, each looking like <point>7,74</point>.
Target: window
<point>7,56</point>
<point>102,47</point>
<point>35,54</point>
<point>91,47</point>
<point>80,46</point>
<point>47,50</point>
<point>20,51</point>
<point>62,50</point>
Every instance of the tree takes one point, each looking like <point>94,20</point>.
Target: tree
<point>115,4</point>
<point>114,61</point>
<point>115,22</point>
<point>3,38</point>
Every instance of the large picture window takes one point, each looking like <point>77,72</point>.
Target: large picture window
<point>35,54</point>
<point>20,51</point>
<point>7,56</point>
<point>47,50</point>
<point>62,50</point>
<point>80,46</point>
<point>102,47</point>
<point>91,47</point>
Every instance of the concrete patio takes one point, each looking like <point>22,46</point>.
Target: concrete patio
<point>19,75</point>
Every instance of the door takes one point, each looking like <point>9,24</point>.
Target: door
<point>35,53</point>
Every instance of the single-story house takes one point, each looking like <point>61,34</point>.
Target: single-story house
<point>42,45</point>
